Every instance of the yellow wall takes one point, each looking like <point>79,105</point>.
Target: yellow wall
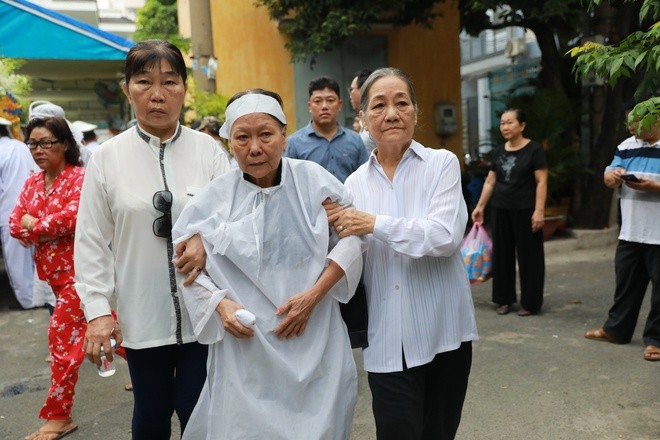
<point>250,52</point>
<point>431,58</point>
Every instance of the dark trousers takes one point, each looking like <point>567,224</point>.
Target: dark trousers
<point>425,402</point>
<point>165,379</point>
<point>513,236</point>
<point>635,265</point>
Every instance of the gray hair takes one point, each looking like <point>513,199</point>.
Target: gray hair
<point>382,73</point>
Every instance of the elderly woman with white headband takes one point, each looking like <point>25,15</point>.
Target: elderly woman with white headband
<point>287,373</point>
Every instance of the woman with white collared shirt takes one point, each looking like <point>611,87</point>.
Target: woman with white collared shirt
<point>408,203</point>
<point>136,185</point>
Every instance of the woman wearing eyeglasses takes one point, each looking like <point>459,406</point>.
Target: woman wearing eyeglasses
<point>136,185</point>
<point>45,215</point>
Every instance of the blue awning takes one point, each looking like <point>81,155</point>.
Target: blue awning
<point>29,31</point>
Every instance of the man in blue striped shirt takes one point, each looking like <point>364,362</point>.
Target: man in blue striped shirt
<point>636,169</point>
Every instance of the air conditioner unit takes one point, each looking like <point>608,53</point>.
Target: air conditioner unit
<point>515,47</point>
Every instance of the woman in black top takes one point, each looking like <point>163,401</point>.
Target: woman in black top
<point>517,182</point>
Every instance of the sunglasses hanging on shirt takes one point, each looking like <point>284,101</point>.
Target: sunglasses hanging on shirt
<point>162,226</point>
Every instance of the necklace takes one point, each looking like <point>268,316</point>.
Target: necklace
<point>48,185</point>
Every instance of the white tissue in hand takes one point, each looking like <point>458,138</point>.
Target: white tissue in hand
<point>245,317</point>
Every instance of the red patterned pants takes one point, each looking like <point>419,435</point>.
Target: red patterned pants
<point>66,335</point>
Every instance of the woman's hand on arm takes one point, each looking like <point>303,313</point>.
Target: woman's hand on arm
<point>227,311</point>
<point>191,258</point>
<point>298,308</point>
<point>353,222</point>
<point>332,209</point>
<point>28,222</point>
<point>99,331</point>
<point>349,221</point>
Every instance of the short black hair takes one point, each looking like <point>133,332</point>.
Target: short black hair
<point>521,116</point>
<point>89,136</point>
<point>324,82</point>
<point>4,131</point>
<point>148,53</point>
<point>361,76</point>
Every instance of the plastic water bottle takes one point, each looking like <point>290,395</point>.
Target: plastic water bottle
<point>107,368</point>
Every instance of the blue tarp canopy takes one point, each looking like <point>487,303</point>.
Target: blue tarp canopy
<point>29,31</point>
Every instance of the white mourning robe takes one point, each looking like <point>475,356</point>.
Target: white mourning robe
<point>265,245</point>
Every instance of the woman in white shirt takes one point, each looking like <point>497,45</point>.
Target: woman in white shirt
<point>135,187</point>
<point>409,205</point>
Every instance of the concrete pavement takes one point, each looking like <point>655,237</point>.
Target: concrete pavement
<point>532,378</point>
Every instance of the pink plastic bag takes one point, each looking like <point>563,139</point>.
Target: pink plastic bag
<point>477,250</point>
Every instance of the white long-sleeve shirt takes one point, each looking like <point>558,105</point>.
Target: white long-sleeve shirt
<point>418,292</point>
<point>16,165</point>
<point>116,251</point>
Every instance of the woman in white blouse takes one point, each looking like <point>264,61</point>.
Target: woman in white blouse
<point>409,205</point>
<point>135,187</point>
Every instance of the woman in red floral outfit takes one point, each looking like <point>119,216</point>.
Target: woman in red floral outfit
<point>45,215</point>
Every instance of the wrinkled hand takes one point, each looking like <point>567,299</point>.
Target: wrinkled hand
<point>350,221</point>
<point>98,334</point>
<point>227,309</point>
<point>332,209</point>
<point>191,258</point>
<point>297,309</point>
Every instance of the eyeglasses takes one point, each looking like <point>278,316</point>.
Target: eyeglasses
<point>44,144</point>
<point>162,226</point>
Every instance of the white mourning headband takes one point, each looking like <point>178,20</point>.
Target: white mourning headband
<point>247,104</point>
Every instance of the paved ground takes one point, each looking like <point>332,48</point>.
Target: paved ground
<point>532,378</point>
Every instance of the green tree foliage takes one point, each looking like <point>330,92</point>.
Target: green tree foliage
<point>14,90</point>
<point>638,53</point>
<point>200,103</point>
<point>318,26</point>
<point>19,85</point>
<point>158,19</point>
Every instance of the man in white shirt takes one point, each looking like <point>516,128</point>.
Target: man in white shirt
<point>16,164</point>
<point>89,140</point>
<point>354,94</point>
